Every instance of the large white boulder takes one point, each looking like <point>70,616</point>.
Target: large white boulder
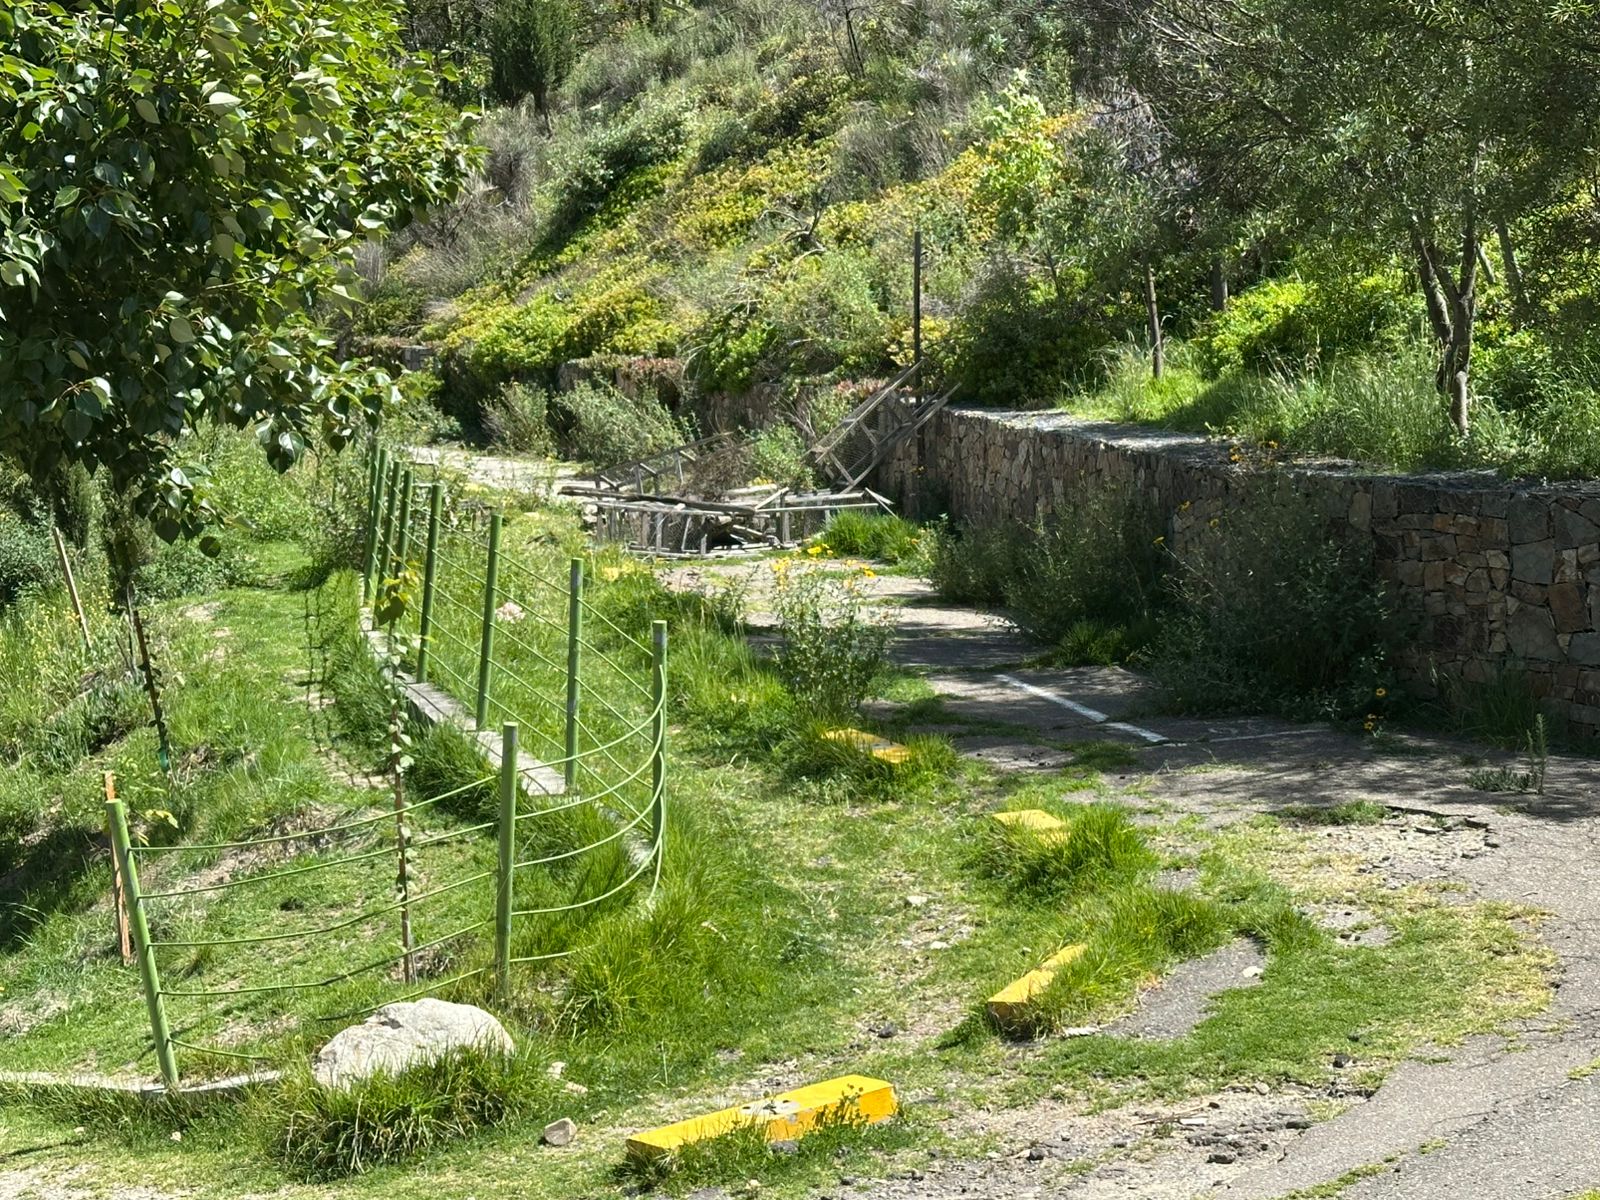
<point>404,1035</point>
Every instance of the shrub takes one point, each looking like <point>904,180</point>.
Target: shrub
<point>971,566</point>
<point>596,423</point>
<point>833,649</point>
<point>1295,323</point>
<point>653,133</point>
<point>27,559</point>
<point>532,44</point>
<point>1097,558</point>
<point>515,419</point>
<point>1276,614</point>
<point>852,773</point>
<point>778,455</point>
<point>327,1133</point>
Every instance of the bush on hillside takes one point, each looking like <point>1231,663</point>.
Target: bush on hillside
<point>1293,324</point>
<point>595,423</point>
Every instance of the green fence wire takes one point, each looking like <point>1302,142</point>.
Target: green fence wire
<point>499,636</point>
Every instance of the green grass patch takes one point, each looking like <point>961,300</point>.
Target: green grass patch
<point>1348,812</point>
<point>882,537</point>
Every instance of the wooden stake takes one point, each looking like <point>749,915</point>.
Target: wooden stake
<point>119,894</point>
<point>72,584</point>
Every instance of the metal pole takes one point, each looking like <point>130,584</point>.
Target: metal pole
<point>386,539</point>
<point>574,635</point>
<point>374,506</point>
<point>507,827</point>
<point>658,757</point>
<point>149,976</point>
<point>486,646</point>
<point>402,537</point>
<point>119,893</point>
<point>430,568</point>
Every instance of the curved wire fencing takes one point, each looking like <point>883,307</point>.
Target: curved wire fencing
<point>567,822</point>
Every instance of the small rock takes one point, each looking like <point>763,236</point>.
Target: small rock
<point>556,1069</point>
<point>1191,1122</point>
<point>1297,1123</point>
<point>1262,1088</point>
<point>915,901</point>
<point>888,1030</point>
<point>936,944</point>
<point>574,1089</point>
<point>177,1135</point>
<point>403,1035</point>
<point>784,1147</point>
<point>1222,1156</point>
<point>1341,1060</point>
<point>1036,1154</point>
<point>1251,972</point>
<point>560,1133</point>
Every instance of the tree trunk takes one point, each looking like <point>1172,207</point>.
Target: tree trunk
<point>1508,258</point>
<point>1158,355</point>
<point>1219,285</point>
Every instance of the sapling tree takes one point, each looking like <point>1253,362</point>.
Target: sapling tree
<point>183,185</point>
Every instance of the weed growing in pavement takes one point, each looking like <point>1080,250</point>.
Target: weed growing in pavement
<point>1350,812</point>
<point>322,1133</point>
<point>1536,746</point>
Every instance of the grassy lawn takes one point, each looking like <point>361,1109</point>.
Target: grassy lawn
<point>817,917</point>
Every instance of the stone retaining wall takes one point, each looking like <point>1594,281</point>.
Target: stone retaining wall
<point>1497,574</point>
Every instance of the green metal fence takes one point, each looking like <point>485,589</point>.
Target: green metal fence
<point>575,833</point>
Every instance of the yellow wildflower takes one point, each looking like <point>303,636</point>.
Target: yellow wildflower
<point>1382,692</point>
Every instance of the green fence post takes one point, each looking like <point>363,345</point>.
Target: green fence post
<point>386,539</point>
<point>507,828</point>
<point>380,464</point>
<point>574,635</point>
<point>430,569</point>
<point>402,536</point>
<point>149,976</point>
<point>658,758</point>
<point>486,645</point>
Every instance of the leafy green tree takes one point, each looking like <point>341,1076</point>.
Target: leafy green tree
<point>532,46</point>
<point>184,184</point>
<point>1421,124</point>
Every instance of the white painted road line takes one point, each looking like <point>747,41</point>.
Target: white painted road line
<point>1083,710</point>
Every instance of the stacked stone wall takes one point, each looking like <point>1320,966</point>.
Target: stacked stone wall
<point>1496,575</point>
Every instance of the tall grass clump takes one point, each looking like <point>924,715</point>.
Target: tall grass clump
<point>1273,612</point>
<point>1100,846</point>
<point>884,537</point>
<point>322,1133</point>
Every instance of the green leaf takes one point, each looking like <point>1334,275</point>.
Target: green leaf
<point>180,330</point>
<point>146,109</point>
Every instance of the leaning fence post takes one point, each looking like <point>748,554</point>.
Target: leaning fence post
<point>402,537</point>
<point>430,569</point>
<point>574,636</point>
<point>149,976</point>
<point>658,757</point>
<point>507,827</point>
<point>486,645</point>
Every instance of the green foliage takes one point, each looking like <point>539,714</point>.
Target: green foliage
<point>517,419</point>
<point>1294,323</point>
<point>778,455</point>
<point>1276,613</point>
<point>27,559</point>
<point>843,770</point>
<point>651,134</point>
<point>883,537</point>
<point>328,1133</point>
<point>1100,847</point>
<point>1348,812</point>
<point>164,234</point>
<point>532,45</point>
<point>833,647</point>
<point>599,424</point>
<point>1089,574</point>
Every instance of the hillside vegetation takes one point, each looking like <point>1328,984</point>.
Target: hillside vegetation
<point>1347,228</point>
